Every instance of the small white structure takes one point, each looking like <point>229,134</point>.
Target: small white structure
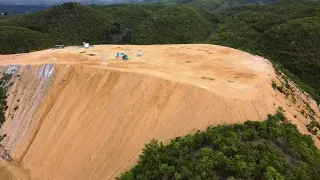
<point>86,45</point>
<point>12,70</point>
<point>139,54</point>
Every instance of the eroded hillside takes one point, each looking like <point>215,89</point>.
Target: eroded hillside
<point>81,113</point>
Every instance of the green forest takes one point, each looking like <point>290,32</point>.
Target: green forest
<point>272,149</point>
<point>217,5</point>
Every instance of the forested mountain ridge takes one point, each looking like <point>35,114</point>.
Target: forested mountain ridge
<point>218,5</point>
<point>211,5</point>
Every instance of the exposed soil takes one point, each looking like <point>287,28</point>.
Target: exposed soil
<point>88,117</point>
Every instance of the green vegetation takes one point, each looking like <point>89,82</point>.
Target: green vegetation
<point>128,16</point>
<point>273,149</point>
<point>69,23</point>
<point>20,40</point>
<point>125,18</point>
<point>4,17</point>
<point>3,105</point>
<point>3,98</point>
<point>314,127</point>
<point>217,5</point>
<point>285,87</point>
<point>170,25</point>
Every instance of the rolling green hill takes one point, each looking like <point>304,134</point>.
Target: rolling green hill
<point>126,15</point>
<point>20,40</point>
<point>295,44</point>
<point>177,24</point>
<point>70,22</point>
<point>218,5</point>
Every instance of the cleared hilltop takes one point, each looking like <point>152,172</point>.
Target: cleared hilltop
<point>283,31</point>
<point>78,113</point>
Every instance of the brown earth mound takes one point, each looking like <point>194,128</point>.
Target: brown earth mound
<point>80,113</point>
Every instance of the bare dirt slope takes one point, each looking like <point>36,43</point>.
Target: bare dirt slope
<point>9,171</point>
<point>85,114</point>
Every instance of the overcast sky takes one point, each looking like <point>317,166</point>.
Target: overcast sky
<point>34,2</point>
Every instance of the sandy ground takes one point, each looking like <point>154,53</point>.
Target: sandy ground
<point>9,171</point>
<point>85,114</point>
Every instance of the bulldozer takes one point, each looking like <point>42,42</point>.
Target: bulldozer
<point>124,56</point>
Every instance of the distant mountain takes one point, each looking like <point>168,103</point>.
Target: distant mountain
<point>102,2</point>
<point>204,4</point>
<point>23,9</point>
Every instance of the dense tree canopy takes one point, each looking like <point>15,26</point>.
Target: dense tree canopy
<point>173,25</point>
<point>215,5</point>
<point>273,149</point>
<point>70,22</point>
<point>20,40</point>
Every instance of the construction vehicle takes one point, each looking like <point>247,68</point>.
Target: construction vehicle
<point>124,56</point>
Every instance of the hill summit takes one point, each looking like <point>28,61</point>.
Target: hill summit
<point>78,113</point>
